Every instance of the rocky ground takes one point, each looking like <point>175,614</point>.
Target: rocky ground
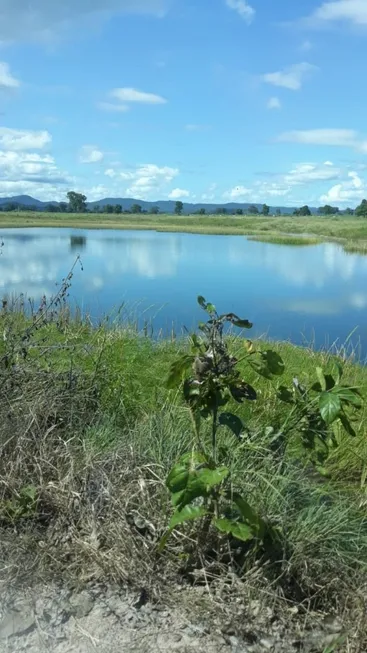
<point>114,620</point>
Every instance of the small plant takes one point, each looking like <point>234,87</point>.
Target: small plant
<point>23,504</point>
<point>200,486</point>
<point>318,412</point>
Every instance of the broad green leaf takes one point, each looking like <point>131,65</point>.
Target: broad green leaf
<point>286,395</point>
<point>242,391</point>
<point>237,321</point>
<point>179,475</point>
<point>349,395</point>
<point>270,364</point>
<point>239,530</point>
<point>274,362</point>
<point>210,308</point>
<point>191,478</point>
<point>178,368</point>
<point>330,407</point>
<point>321,378</point>
<point>347,425</point>
<point>249,515</point>
<point>339,371</point>
<point>202,302</point>
<point>232,422</point>
<point>188,513</point>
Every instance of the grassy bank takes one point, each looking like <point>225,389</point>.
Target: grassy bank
<point>340,228</point>
<point>89,433</point>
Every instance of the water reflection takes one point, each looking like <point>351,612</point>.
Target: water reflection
<point>77,243</point>
<point>285,290</point>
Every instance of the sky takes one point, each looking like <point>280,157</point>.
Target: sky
<point>193,100</point>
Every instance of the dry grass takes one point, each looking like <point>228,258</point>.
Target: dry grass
<point>93,433</point>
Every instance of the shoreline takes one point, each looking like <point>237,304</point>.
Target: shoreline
<point>350,233</point>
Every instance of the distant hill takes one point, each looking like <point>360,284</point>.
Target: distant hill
<point>165,206</point>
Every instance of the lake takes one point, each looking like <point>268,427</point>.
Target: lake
<point>314,294</point>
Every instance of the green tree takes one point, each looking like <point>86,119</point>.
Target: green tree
<point>239,211</point>
<point>178,208</point>
<point>278,212</point>
<point>303,211</point>
<point>77,202</point>
<point>220,211</point>
<point>328,210</point>
<point>52,208</point>
<point>361,210</point>
<point>108,208</point>
<point>349,211</point>
<point>266,209</point>
<point>63,207</point>
<point>202,211</point>
<point>136,208</point>
<point>118,208</point>
<point>154,210</point>
<point>253,210</point>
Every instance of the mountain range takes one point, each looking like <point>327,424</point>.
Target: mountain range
<point>165,206</point>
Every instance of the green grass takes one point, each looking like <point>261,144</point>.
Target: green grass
<point>87,420</point>
<point>341,228</point>
<point>355,247</point>
<point>278,239</point>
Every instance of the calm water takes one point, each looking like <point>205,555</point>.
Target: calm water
<point>305,294</point>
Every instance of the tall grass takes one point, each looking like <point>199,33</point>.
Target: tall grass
<point>88,424</point>
<point>335,227</point>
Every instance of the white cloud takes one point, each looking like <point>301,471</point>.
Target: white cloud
<point>6,78</point>
<point>31,173</point>
<point>127,95</point>
<point>274,103</point>
<point>90,154</point>
<point>21,140</point>
<point>124,97</point>
<point>305,173</point>
<point>331,137</point>
<point>41,19</point>
<point>237,193</point>
<point>110,172</point>
<point>352,11</point>
<point>350,191</point>
<point>148,179</point>
<point>291,77</point>
<point>243,9</point>
<point>110,106</point>
<point>178,193</point>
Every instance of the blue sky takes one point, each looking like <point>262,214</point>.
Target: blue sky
<point>199,100</point>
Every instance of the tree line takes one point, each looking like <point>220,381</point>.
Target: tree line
<point>77,203</point>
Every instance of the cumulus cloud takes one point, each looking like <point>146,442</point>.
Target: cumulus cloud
<point>274,103</point>
<point>90,154</point>
<point>21,140</point>
<point>292,77</point>
<point>7,81</point>
<point>243,8</point>
<point>338,11</point>
<point>238,193</point>
<point>306,173</point>
<point>41,19</point>
<point>178,194</point>
<point>352,190</point>
<point>145,181</point>
<point>286,185</point>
